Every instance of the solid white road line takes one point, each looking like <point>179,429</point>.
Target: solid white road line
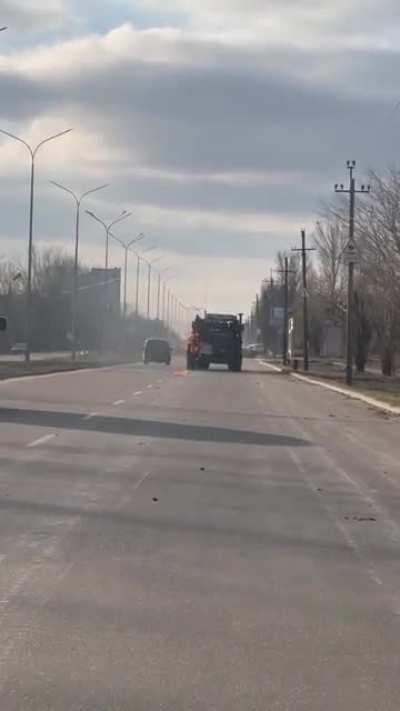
<point>269,365</point>
<point>354,395</point>
<point>41,440</point>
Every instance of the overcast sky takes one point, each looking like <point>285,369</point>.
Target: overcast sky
<point>222,129</point>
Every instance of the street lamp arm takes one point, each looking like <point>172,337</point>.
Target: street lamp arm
<point>17,138</point>
<point>123,216</point>
<point>93,190</point>
<point>47,140</point>
<point>136,239</point>
<point>77,199</point>
<point>94,217</point>
<point>117,239</point>
<point>157,259</point>
<point>126,245</point>
<point>67,190</point>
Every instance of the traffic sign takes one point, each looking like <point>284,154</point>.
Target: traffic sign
<point>350,253</point>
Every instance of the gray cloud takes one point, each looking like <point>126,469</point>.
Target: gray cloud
<point>32,14</point>
<point>192,119</point>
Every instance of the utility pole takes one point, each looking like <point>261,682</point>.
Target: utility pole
<point>286,271</point>
<point>304,251</point>
<point>286,313</point>
<point>350,254</point>
<point>270,285</point>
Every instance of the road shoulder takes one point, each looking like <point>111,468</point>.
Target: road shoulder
<point>347,392</point>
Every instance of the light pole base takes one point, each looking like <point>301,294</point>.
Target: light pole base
<point>349,375</point>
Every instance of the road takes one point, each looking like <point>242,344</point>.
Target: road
<point>196,542</point>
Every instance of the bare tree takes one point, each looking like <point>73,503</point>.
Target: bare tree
<point>330,237</point>
<point>378,234</point>
<point>294,277</point>
<point>12,278</point>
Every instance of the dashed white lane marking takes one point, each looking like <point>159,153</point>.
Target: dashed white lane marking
<point>149,387</point>
<point>41,440</point>
<point>118,402</point>
<point>140,482</point>
<point>127,498</point>
<point>90,416</point>
<point>138,392</point>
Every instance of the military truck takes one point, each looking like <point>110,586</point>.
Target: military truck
<point>216,338</point>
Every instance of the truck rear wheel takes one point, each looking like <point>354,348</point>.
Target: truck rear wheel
<point>236,365</point>
<point>203,364</point>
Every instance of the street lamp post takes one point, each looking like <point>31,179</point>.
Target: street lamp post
<point>107,227</point>
<point>165,300</point>
<point>163,271</point>
<point>126,246</point>
<point>149,265</point>
<point>137,284</point>
<point>169,310</point>
<point>32,152</point>
<point>139,258</point>
<point>78,201</point>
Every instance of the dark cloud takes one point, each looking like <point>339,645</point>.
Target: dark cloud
<point>193,120</point>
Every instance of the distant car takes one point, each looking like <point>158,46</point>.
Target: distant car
<point>19,348</point>
<point>157,350</point>
<point>252,350</point>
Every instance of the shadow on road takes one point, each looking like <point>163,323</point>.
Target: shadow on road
<point>145,428</point>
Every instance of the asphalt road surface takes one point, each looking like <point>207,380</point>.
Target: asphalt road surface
<point>208,541</point>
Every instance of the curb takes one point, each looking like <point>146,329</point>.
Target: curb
<point>272,367</point>
<point>349,393</point>
<point>68,371</point>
